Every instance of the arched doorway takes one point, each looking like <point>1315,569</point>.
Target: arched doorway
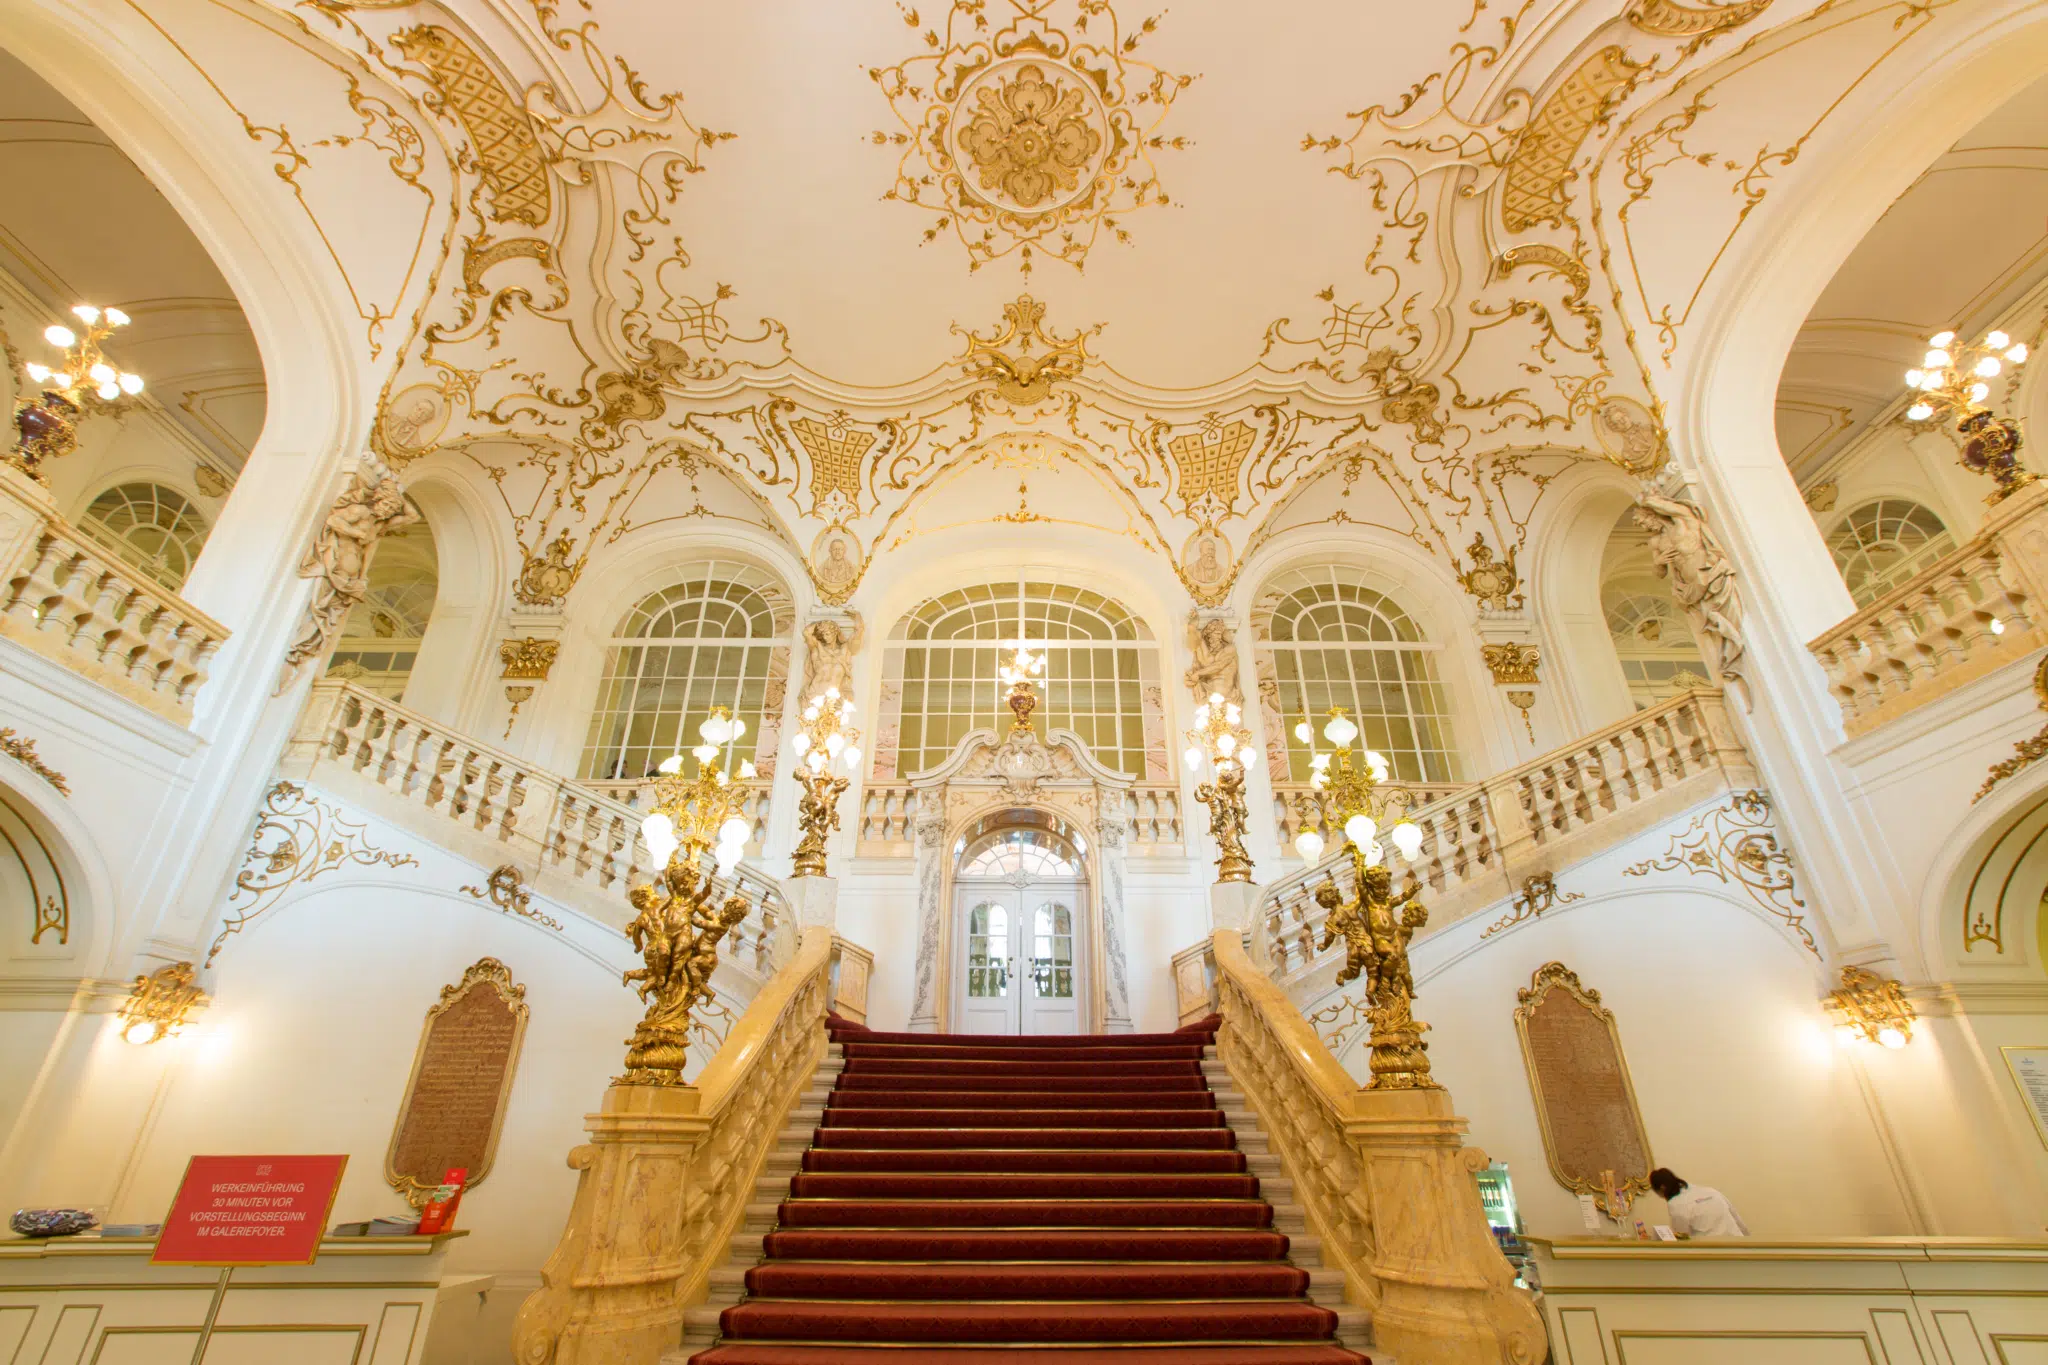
<point>1020,901</point>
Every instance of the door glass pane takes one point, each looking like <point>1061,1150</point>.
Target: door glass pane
<point>988,947</point>
<point>1052,952</point>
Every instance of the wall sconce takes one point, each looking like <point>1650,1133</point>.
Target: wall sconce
<point>1870,1009</point>
<point>161,1004</point>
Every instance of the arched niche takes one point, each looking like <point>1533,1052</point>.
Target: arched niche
<point>55,896</point>
<point>1563,570</point>
<point>453,678</point>
<point>1987,921</point>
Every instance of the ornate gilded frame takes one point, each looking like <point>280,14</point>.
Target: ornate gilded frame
<point>1556,976</point>
<point>484,973</point>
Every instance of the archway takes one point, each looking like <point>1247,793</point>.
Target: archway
<point>1021,922</point>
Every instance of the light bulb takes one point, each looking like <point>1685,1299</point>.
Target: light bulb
<point>131,384</point>
<point>1319,762</point>
<point>1407,837</point>
<point>1340,731</point>
<point>1305,733</point>
<point>705,752</point>
<point>714,730</point>
<point>851,756</point>
<point>729,856</point>
<point>832,692</point>
<point>1988,367</point>
<point>660,833</point>
<point>1309,845</point>
<point>1193,756</point>
<point>672,764</point>
<point>37,372</point>
<point>1232,713</point>
<point>1226,744</point>
<point>1359,829</point>
<point>816,761</point>
<point>1933,381</point>
<point>1846,1035</point>
<point>800,742</point>
<point>86,314</point>
<point>1979,392</point>
<point>1377,761</point>
<point>140,1032</point>
<point>834,742</point>
<point>1913,378</point>
<point>59,336</point>
<point>1997,626</point>
<point>1215,699</point>
<point>2017,354</point>
<point>1319,779</point>
<point>734,831</point>
<point>846,710</point>
<point>1374,854</point>
<point>1941,338</point>
<point>1936,359</point>
<point>103,372</point>
<point>1201,715</point>
<point>1891,1037</point>
<point>62,379</point>
<point>738,728</point>
<point>1997,341</point>
<point>115,317</point>
<point>747,768</point>
<point>109,391</point>
<point>718,776</point>
<point>1919,412</point>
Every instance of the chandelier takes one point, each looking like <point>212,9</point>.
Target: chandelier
<point>823,742</point>
<point>83,384</point>
<point>1220,741</point>
<point>1345,794</point>
<point>695,816</point>
<point>1953,382</point>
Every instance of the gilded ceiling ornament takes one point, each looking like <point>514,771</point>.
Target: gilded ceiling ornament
<point>1737,843</point>
<point>211,481</point>
<point>1207,465</point>
<point>1534,191</point>
<point>1492,581</point>
<point>545,578</point>
<point>23,751</point>
<point>528,658</point>
<point>1034,139</point>
<point>836,449</point>
<point>412,421</point>
<point>507,151</point>
<point>1512,663</point>
<point>1023,377</point>
<point>1669,19</point>
<point>1631,435</point>
<point>1544,256</point>
<point>1821,497</point>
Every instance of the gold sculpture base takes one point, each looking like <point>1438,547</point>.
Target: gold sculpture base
<point>656,1055</point>
<point>1400,1059</point>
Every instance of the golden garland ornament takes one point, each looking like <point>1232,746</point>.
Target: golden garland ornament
<point>678,922</point>
<point>823,740</point>
<point>1953,381</point>
<point>84,384</point>
<point>1220,740</point>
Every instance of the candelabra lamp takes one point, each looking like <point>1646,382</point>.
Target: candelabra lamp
<point>823,742</point>
<point>84,384</point>
<point>1021,675</point>
<point>1953,383</point>
<point>161,1004</point>
<point>679,921</point>
<point>1870,1009</point>
<point>1345,795</point>
<point>1218,740</point>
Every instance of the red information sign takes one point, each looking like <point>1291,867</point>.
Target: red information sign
<point>250,1210</point>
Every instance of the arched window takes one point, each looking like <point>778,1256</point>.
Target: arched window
<point>1326,639</point>
<point>381,637</point>
<point>151,527</point>
<point>718,637</point>
<point>1022,853</point>
<point>1883,543</point>
<point>1651,638</point>
<point>1101,675</point>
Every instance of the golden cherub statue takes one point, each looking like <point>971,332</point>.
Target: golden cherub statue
<point>676,933</point>
<point>1376,925</point>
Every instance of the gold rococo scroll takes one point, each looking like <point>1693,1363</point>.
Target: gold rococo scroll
<point>1585,1102</point>
<point>454,1102</point>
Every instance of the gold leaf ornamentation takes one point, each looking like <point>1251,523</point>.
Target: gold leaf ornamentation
<point>1207,465</point>
<point>506,889</point>
<point>1536,176</point>
<point>1511,663</point>
<point>528,658</point>
<point>1035,139</point>
<point>1023,377</point>
<point>298,837</point>
<point>509,153</point>
<point>1669,19</point>
<point>23,751</point>
<point>836,452</point>
<point>1539,893</point>
<point>1737,843</point>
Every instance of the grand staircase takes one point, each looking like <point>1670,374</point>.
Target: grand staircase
<point>1024,1201</point>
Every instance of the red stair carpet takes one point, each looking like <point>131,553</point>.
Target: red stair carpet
<point>1025,1201</point>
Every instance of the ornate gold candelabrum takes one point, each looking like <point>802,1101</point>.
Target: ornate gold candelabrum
<point>84,384</point>
<point>1871,1009</point>
<point>678,924</point>
<point>1021,675</point>
<point>1954,381</point>
<point>1219,740</point>
<point>1374,922</point>
<point>823,741</point>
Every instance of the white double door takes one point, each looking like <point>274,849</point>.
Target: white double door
<point>1018,961</point>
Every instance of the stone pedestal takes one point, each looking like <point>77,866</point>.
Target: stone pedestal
<point>608,1293</point>
<point>1447,1296</point>
<point>814,901</point>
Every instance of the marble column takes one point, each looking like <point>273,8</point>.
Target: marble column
<point>1112,831</point>
<point>930,832</point>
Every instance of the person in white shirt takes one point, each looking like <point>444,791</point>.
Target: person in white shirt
<point>1697,1211</point>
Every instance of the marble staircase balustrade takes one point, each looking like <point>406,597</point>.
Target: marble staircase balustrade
<point>571,844</point>
<point>78,604</point>
<point>1969,613</point>
<point>888,810</point>
<point>1482,843</point>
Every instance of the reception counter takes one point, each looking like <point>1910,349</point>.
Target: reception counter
<point>365,1301</point>
<point>1868,1301</point>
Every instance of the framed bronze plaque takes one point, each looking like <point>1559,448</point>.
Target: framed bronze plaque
<point>1585,1102</point>
<point>461,1077</point>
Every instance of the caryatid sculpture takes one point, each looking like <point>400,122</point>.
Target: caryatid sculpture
<point>1702,580</point>
<point>371,507</point>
